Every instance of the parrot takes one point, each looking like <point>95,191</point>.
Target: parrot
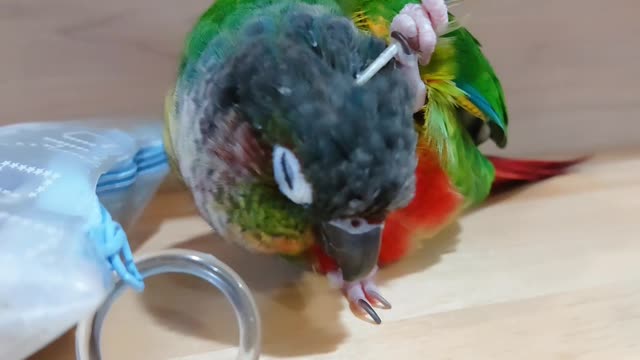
<point>338,133</point>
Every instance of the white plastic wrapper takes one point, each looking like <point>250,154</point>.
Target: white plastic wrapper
<point>64,189</point>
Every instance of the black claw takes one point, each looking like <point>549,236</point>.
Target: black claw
<point>366,307</point>
<point>404,42</point>
<point>377,297</point>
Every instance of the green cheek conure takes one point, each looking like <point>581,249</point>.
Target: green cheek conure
<point>294,143</point>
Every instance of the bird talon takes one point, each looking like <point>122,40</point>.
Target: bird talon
<point>364,305</point>
<point>362,295</point>
<point>421,24</point>
<point>379,299</point>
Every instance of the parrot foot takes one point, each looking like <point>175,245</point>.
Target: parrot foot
<point>408,62</point>
<point>416,28</point>
<point>361,294</point>
<point>421,24</point>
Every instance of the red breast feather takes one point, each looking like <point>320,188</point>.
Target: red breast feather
<point>434,204</point>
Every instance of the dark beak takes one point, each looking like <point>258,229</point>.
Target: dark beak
<point>355,252</point>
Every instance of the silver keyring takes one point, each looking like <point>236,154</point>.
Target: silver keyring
<point>189,262</point>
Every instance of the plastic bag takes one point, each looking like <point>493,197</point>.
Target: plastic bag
<point>64,189</point>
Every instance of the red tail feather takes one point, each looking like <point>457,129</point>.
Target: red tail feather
<point>513,172</point>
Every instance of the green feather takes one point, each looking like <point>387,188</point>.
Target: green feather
<point>460,71</point>
<point>261,209</point>
<point>475,76</point>
<point>468,169</point>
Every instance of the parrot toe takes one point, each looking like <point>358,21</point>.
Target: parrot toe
<point>362,295</point>
<point>414,23</point>
<point>384,303</point>
<point>438,13</point>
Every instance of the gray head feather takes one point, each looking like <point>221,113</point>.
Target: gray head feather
<point>294,81</point>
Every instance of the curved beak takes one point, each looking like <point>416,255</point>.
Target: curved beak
<point>355,250</point>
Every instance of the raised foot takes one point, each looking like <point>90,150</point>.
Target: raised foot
<point>421,24</point>
<point>363,295</point>
<point>417,27</point>
<point>408,61</point>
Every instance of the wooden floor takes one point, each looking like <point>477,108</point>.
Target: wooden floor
<point>546,272</point>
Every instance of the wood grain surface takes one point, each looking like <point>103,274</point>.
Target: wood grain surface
<point>546,272</point>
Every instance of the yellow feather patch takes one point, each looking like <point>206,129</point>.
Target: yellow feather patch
<point>359,18</point>
<point>379,27</point>
<point>464,103</point>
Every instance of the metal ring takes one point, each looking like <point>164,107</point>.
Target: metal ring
<point>194,263</point>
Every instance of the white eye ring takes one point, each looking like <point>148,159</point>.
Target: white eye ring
<point>288,176</point>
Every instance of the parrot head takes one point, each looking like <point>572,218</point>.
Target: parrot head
<point>343,154</point>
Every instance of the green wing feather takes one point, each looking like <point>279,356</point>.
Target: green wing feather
<point>458,77</point>
<point>477,79</point>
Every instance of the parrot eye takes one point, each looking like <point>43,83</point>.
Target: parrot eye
<point>288,176</point>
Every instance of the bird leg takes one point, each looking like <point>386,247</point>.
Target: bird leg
<point>417,27</point>
<point>361,294</point>
<point>408,65</point>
